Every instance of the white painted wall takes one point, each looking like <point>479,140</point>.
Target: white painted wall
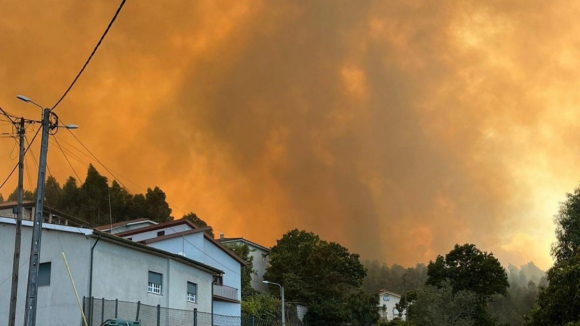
<point>260,261</point>
<point>387,302</point>
<point>197,247</point>
<point>119,273</point>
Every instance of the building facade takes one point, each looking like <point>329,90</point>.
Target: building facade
<point>260,260</point>
<point>186,239</point>
<point>387,305</point>
<point>102,266</point>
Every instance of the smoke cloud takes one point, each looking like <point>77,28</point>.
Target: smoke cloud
<point>397,128</point>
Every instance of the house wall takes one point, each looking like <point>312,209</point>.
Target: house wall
<point>8,212</point>
<point>387,304</point>
<point>122,273</point>
<point>119,273</point>
<point>260,262</point>
<point>130,227</point>
<point>56,304</point>
<point>197,247</point>
<point>153,234</point>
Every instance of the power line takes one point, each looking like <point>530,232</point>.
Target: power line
<point>14,169</point>
<point>92,54</point>
<point>93,155</point>
<point>66,158</point>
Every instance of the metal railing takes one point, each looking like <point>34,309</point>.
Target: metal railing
<point>224,291</point>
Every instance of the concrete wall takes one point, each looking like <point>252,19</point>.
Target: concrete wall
<point>57,305</point>
<point>119,273</point>
<point>197,247</point>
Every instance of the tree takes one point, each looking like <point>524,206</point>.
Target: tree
<point>193,218</point>
<point>263,306</point>
<point>52,192</point>
<point>157,207</point>
<point>559,303</point>
<point>568,228</point>
<point>363,308</point>
<point>94,197</point>
<point>322,275</point>
<point>70,203</point>
<point>444,306</point>
<point>26,195</point>
<point>243,251</point>
<point>467,268</point>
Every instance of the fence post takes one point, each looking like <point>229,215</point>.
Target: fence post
<point>158,315</point>
<point>84,311</point>
<point>138,308</point>
<point>91,306</point>
<point>194,316</point>
<point>116,307</point>
<point>102,310</point>
<point>253,320</point>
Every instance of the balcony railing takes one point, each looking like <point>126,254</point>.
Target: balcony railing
<point>225,292</point>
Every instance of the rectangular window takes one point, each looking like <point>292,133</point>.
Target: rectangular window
<point>160,233</point>
<point>44,274</point>
<point>155,281</point>
<point>191,292</point>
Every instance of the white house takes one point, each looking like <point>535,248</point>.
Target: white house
<point>50,215</point>
<point>260,259</point>
<point>186,239</point>
<point>102,266</point>
<point>387,305</point>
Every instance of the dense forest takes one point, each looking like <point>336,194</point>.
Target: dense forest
<point>509,309</point>
<point>97,202</point>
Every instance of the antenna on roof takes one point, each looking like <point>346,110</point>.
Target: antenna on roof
<point>110,211</point>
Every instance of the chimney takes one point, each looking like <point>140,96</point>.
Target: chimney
<point>221,235</point>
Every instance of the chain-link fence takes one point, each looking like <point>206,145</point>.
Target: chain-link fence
<point>97,311</point>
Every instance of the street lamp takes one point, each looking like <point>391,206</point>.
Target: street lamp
<point>282,295</point>
<point>32,288</point>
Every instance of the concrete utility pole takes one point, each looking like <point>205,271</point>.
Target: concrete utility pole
<point>16,259</point>
<point>32,290</point>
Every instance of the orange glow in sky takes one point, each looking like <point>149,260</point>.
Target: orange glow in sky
<point>397,128</point>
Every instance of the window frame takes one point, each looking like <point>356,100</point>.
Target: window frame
<point>191,297</point>
<point>152,287</point>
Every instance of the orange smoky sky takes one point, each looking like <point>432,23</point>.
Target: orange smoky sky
<point>397,128</point>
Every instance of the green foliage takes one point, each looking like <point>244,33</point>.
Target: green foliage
<point>363,308</point>
<point>96,202</point>
<point>243,251</point>
<point>193,218</point>
<point>26,195</point>
<point>157,206</point>
<point>512,308</point>
<point>395,278</point>
<point>466,268</point>
<point>1,199</point>
<point>444,306</point>
<point>322,275</point>
<point>559,303</point>
<point>262,306</point>
<point>568,228</point>
<point>469,269</point>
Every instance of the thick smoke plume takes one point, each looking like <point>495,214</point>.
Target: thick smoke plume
<point>397,128</point>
